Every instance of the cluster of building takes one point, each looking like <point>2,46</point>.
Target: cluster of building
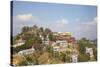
<point>62,43</point>
<point>64,40</point>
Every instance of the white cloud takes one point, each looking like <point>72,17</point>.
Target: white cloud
<point>62,22</point>
<point>24,17</point>
<point>93,22</point>
<point>87,29</point>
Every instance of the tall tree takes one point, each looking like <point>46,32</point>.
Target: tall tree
<point>47,30</point>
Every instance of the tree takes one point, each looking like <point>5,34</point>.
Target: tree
<point>17,37</point>
<point>37,43</point>
<point>47,31</point>
<point>35,27</point>
<point>38,47</point>
<point>95,53</point>
<point>25,29</point>
<point>52,37</point>
<point>82,49</point>
<point>83,58</point>
<point>63,57</point>
<point>49,49</point>
<point>84,43</point>
<point>41,29</point>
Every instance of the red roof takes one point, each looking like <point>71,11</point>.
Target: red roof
<point>71,40</point>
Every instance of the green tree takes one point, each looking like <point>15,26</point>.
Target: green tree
<point>83,58</point>
<point>52,37</point>
<point>47,31</point>
<point>25,29</point>
<point>49,49</point>
<point>63,57</point>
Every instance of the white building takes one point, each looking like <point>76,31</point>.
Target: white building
<point>89,51</point>
<point>60,46</point>
<point>74,58</point>
<point>62,43</point>
<point>56,48</point>
<point>19,43</point>
<point>26,52</point>
<point>46,40</point>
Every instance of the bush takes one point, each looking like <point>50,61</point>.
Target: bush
<point>20,48</point>
<point>23,63</point>
<point>83,58</point>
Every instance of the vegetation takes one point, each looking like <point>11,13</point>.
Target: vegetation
<point>86,43</point>
<point>31,36</point>
<point>83,58</point>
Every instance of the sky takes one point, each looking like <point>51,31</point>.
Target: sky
<point>80,20</point>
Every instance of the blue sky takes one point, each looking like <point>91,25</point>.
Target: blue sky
<point>80,20</point>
